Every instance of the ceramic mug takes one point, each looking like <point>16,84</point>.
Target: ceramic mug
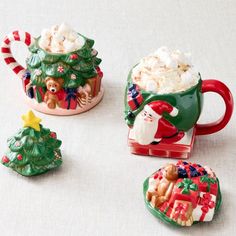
<point>177,112</point>
<point>57,83</point>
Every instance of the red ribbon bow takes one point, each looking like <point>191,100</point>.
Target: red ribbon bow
<point>180,210</point>
<point>207,204</point>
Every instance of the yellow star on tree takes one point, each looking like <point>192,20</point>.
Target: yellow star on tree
<point>30,120</point>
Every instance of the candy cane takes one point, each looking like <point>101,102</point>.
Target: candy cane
<point>6,50</point>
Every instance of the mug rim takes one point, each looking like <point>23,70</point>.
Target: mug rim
<point>167,94</point>
<point>60,54</point>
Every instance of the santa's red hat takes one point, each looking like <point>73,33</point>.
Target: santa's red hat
<point>157,108</point>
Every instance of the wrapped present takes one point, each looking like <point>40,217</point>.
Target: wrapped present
<point>185,190</point>
<point>95,83</point>
<point>84,96</point>
<point>205,208</point>
<point>100,73</point>
<point>135,98</point>
<point>208,184</point>
<point>30,92</point>
<point>26,80</point>
<point>39,93</point>
<point>165,209</point>
<point>189,170</point>
<point>181,210</point>
<point>28,88</point>
<point>70,99</point>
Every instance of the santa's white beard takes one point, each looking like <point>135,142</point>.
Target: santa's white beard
<point>144,131</point>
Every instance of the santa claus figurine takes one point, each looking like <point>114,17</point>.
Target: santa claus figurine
<point>150,127</point>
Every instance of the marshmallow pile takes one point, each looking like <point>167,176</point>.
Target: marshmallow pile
<point>60,39</point>
<point>165,71</point>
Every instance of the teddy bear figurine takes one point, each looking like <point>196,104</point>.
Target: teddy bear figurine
<point>164,187</point>
<point>54,93</point>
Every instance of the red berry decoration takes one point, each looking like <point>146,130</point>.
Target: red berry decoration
<point>73,56</point>
<point>53,135</point>
<point>19,157</point>
<point>5,159</point>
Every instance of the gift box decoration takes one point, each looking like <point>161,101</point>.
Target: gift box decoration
<point>134,98</point>
<point>27,86</point>
<point>95,83</point>
<point>179,200</point>
<point>186,190</point>
<point>181,212</point>
<point>39,93</point>
<point>188,170</point>
<point>206,207</point>
<point>70,99</point>
<point>208,184</point>
<point>26,80</point>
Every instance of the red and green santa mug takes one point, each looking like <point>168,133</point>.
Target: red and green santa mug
<point>164,118</point>
<point>57,83</point>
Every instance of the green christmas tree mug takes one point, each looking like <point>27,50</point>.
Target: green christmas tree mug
<point>57,83</point>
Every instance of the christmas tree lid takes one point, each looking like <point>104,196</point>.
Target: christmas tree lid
<point>33,150</point>
<point>183,193</point>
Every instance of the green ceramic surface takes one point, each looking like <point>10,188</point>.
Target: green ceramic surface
<point>39,151</point>
<point>189,103</point>
<point>41,64</point>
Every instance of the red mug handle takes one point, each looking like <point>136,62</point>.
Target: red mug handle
<point>216,86</point>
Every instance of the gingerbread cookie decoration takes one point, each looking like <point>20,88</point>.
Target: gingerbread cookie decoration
<point>33,150</point>
<point>183,193</point>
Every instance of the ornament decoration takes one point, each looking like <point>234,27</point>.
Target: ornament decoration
<point>53,135</point>
<point>38,72</point>
<point>17,143</point>
<point>60,69</point>
<point>30,120</point>
<point>33,150</point>
<point>19,157</point>
<point>182,201</point>
<point>94,52</point>
<point>74,56</point>
<point>5,159</point>
<point>73,76</point>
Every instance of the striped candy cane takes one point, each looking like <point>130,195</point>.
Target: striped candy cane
<point>6,50</point>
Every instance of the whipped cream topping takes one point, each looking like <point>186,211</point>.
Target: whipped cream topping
<point>60,39</point>
<point>165,71</point>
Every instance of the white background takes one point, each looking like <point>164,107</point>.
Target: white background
<point>98,190</point>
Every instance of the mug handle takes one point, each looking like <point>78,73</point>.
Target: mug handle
<point>216,86</point>
<point>6,50</point>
